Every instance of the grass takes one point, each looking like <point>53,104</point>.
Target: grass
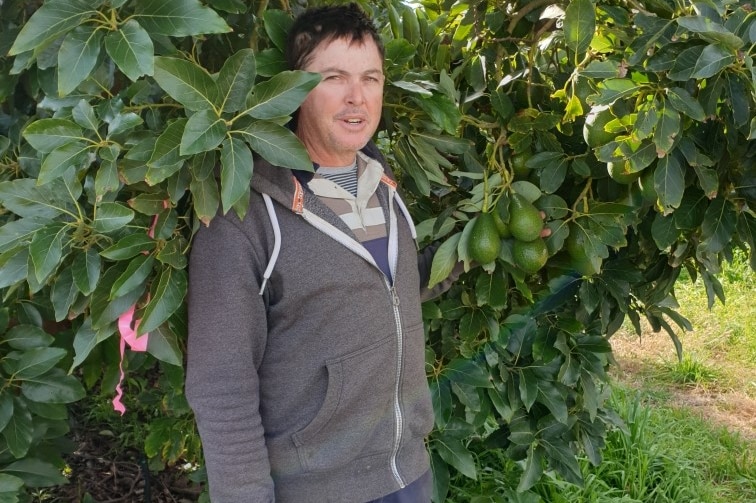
<point>665,455</point>
<point>669,452</point>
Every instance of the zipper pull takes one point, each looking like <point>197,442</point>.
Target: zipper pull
<point>394,296</point>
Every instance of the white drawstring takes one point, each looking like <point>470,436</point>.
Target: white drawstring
<point>276,240</point>
<point>277,233</point>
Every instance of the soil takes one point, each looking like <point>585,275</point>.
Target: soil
<point>727,400</point>
<point>119,477</point>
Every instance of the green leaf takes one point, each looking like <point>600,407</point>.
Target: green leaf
<point>173,253</point>
<point>713,59</point>
<point>165,159</point>
<point>442,111</point>
<point>18,431</point>
<point>122,123</point>
<point>409,164</point>
<point>77,57</point>
<point>54,411</point>
<point>740,101</point>
<point>667,129</point>
<point>6,408</point>
<point>412,87</point>
<point>149,203</point>
<point>35,362</point>
<point>277,145</point>
<point>178,18</point>
<point>470,372</point>
<point>528,387</point>
<point>105,311</point>
<point>683,102</point>
<point>444,260</point>
<point>710,31</point>
<point>638,156</point>
<point>10,484</point>
<point>63,159</point>
<point>36,473</point>
<point>533,468</point>
<point>444,143</point>
<point>564,461</point>
<point>135,275</point>
<point>131,49</point>
<point>50,21</point>
<point>579,25</point>
<point>472,325</point>
<point>204,131</point>
<point>611,90</point>
<point>45,135</point>
<point>552,177</point>
<point>164,346</point>
<point>85,116</point>
<point>236,171</point>
<point>236,78</point>
<point>86,270</point>
<point>669,182</point>
<point>664,231</point>
<point>554,400</point>
<point>84,342</point>
<point>277,24</point>
<point>206,198</point>
<point>24,198</point>
<point>491,290</point>
<point>24,337</point>
<point>187,83</point>
<point>106,179</point>
<point>46,249</point>
<point>692,210</point>
<point>454,452</point>
<point>165,300</point>
<point>111,217</point>
<point>20,232</point>
<point>53,387</point>
<point>13,267</point>
<point>270,62</point>
<point>708,180</point>
<point>281,95</point>
<point>684,63</point>
<point>63,294</point>
<point>601,70</point>
<point>718,226</point>
<point>129,246</point>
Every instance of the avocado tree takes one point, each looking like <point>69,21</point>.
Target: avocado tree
<point>126,124</point>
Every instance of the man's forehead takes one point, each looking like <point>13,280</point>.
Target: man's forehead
<point>347,44</point>
<point>331,54</point>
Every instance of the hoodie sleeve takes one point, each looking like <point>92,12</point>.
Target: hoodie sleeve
<point>227,335</point>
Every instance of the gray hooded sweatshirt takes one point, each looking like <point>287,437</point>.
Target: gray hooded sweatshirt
<point>308,386</point>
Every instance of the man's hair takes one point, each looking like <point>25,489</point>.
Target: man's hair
<point>326,24</point>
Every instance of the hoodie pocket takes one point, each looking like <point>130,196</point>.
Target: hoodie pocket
<point>356,418</point>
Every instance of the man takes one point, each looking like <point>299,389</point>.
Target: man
<point>306,344</point>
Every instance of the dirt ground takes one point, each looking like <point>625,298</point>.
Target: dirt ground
<point>727,399</point>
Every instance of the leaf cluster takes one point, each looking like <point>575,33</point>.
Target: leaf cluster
<point>126,124</point>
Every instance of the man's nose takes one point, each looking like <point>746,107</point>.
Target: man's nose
<point>355,94</point>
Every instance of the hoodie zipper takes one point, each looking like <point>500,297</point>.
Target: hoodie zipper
<point>345,240</point>
<point>398,416</point>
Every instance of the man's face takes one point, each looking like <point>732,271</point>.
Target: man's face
<point>341,114</point>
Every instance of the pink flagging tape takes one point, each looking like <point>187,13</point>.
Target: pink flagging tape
<point>127,328</point>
